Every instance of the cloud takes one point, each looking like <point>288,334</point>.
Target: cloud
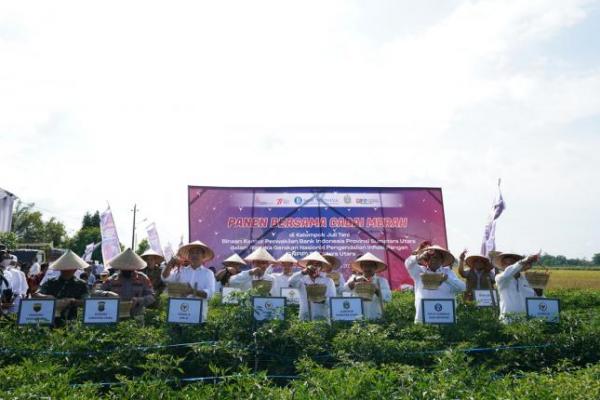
<point>132,102</point>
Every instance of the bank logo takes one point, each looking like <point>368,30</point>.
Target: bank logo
<point>298,200</point>
<point>438,307</point>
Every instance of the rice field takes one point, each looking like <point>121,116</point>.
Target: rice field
<point>573,279</point>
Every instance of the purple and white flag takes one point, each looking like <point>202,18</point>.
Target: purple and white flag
<point>89,250</point>
<point>153,239</point>
<point>168,252</point>
<point>489,235</point>
<point>110,240</point>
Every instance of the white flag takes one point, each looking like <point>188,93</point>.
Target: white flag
<point>153,238</point>
<point>110,240</point>
<point>489,235</point>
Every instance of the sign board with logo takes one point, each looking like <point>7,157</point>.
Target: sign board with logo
<point>268,308</point>
<point>349,221</point>
<point>36,312</point>
<point>345,308</point>
<point>184,311</point>
<point>228,295</point>
<point>292,295</point>
<point>438,311</point>
<point>543,308</point>
<point>101,311</point>
<point>483,298</point>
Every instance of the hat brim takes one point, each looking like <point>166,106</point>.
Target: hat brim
<point>472,259</point>
<point>498,261</point>
<point>184,251</point>
<point>448,258</point>
<point>357,266</point>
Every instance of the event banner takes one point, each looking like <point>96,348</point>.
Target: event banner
<point>345,222</point>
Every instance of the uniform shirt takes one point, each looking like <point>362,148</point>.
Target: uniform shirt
<point>199,278</point>
<point>61,288</point>
<point>318,310</point>
<point>477,280</point>
<point>19,281</point>
<point>243,280</point>
<point>512,291</point>
<point>127,288</point>
<point>280,280</point>
<point>447,290</point>
<point>372,309</point>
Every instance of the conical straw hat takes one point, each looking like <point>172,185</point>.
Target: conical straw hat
<point>68,261</point>
<point>150,254</point>
<point>287,258</point>
<point>499,260</point>
<point>185,249</point>
<point>357,264</point>
<point>314,256</point>
<point>471,260</point>
<point>234,259</point>
<point>448,257</point>
<point>261,254</point>
<point>127,261</point>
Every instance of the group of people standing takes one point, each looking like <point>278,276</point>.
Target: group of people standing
<point>316,277</point>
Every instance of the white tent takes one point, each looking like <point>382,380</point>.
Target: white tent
<point>6,209</point>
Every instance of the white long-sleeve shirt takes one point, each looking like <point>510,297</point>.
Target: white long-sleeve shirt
<point>34,269</point>
<point>243,280</point>
<point>280,280</point>
<point>318,310</point>
<point>199,278</point>
<point>19,281</point>
<point>513,291</point>
<point>372,309</point>
<point>447,290</point>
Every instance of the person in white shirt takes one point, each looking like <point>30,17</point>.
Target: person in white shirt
<point>19,284</point>
<point>260,259</point>
<point>311,275</point>
<point>200,279</point>
<point>368,265</point>
<point>512,285</point>
<point>282,279</point>
<point>231,266</point>
<point>34,269</point>
<point>428,259</point>
<point>331,271</point>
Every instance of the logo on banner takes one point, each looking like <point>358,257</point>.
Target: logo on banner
<point>347,199</point>
<point>298,200</point>
<point>346,305</point>
<point>101,306</point>
<point>543,307</point>
<point>438,307</point>
<point>184,307</point>
<point>37,307</point>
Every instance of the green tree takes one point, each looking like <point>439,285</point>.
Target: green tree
<point>143,246</point>
<point>9,239</point>
<point>596,259</point>
<point>30,227</point>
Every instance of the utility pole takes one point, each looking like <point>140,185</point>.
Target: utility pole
<point>133,230</point>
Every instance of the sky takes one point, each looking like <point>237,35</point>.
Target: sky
<point>130,102</point>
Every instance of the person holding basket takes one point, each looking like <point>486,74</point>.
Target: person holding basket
<point>315,287</point>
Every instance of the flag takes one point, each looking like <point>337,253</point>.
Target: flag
<point>489,235</point>
<point>110,240</point>
<point>89,250</point>
<point>168,253</point>
<point>153,238</point>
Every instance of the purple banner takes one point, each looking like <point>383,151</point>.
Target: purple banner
<point>153,238</point>
<point>110,240</point>
<point>345,222</point>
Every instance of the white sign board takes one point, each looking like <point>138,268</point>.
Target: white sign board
<point>36,312</point>
<point>483,298</point>
<point>184,311</point>
<point>268,308</point>
<point>101,311</point>
<point>227,295</point>
<point>542,308</point>
<point>291,294</point>
<point>347,294</point>
<point>438,311</point>
<point>345,308</point>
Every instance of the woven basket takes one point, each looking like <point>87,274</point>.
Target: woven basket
<point>262,286</point>
<point>316,292</point>
<point>124,309</point>
<point>365,290</point>
<point>335,277</point>
<point>177,289</point>
<point>432,281</point>
<point>537,279</point>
